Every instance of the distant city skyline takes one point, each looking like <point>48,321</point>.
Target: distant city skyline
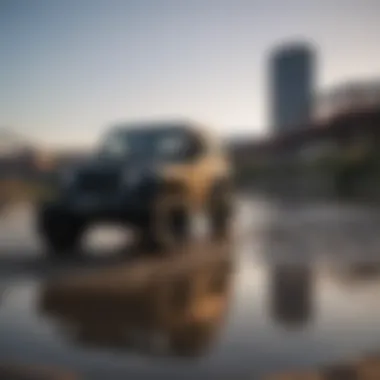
<point>71,68</point>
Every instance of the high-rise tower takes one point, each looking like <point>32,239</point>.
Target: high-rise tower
<point>291,86</point>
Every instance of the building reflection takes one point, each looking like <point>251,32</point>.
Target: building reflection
<point>175,310</point>
<point>291,295</point>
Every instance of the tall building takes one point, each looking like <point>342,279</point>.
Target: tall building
<point>291,86</point>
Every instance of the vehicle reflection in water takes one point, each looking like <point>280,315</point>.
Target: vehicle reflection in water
<point>291,295</point>
<point>296,299</point>
<point>175,307</point>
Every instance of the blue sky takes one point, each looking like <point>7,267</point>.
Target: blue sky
<point>69,68</point>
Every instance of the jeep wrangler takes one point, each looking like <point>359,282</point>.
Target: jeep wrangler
<point>153,178</point>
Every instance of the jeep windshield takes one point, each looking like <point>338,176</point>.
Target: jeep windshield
<point>158,144</point>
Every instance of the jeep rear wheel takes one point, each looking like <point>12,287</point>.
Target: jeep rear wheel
<point>220,213</point>
<point>169,231</point>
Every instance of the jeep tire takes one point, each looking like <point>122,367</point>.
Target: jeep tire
<point>61,233</point>
<point>220,212</point>
<point>173,230</point>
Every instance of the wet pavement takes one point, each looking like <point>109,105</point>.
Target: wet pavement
<point>297,287</point>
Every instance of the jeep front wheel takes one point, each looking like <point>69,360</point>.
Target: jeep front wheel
<point>61,234</point>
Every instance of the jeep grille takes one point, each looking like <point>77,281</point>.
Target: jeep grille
<point>107,182</point>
